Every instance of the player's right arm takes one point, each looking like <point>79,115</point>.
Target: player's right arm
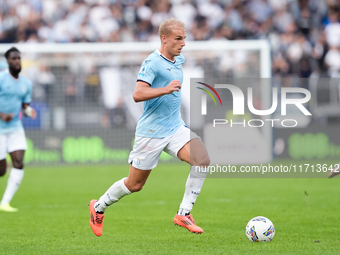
<point>7,117</point>
<point>144,92</point>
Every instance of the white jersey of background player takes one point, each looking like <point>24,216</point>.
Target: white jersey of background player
<point>15,94</point>
<point>160,128</point>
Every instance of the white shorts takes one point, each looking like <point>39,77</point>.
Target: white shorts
<point>14,141</point>
<point>146,151</point>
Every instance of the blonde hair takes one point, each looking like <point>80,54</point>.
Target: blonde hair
<point>166,26</point>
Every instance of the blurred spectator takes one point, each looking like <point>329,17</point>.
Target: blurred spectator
<point>218,35</point>
<point>260,10</point>
<point>332,60</point>
<point>46,79</point>
<point>319,52</point>
<point>305,68</point>
<point>92,86</point>
<point>62,30</point>
<point>185,12</point>
<point>280,66</point>
<point>71,90</point>
<point>212,11</point>
<point>117,115</point>
<point>200,29</point>
<point>161,12</point>
<point>301,32</point>
<point>282,20</point>
<point>333,30</point>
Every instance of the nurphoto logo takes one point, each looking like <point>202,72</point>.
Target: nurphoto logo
<point>239,102</point>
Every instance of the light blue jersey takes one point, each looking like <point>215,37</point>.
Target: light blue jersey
<point>13,92</point>
<point>162,116</point>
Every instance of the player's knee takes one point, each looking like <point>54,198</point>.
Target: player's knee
<point>206,161</point>
<point>136,187</point>
<point>18,164</point>
<point>3,169</point>
<point>203,161</point>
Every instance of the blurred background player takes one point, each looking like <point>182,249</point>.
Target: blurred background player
<point>3,67</point>
<point>160,128</point>
<point>15,94</point>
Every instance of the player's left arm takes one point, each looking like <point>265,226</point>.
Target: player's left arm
<point>27,109</point>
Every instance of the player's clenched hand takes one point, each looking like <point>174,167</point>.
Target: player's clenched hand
<point>34,114</point>
<point>173,86</point>
<point>6,117</point>
<point>29,111</point>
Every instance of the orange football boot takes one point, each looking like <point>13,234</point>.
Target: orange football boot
<point>96,220</point>
<point>187,222</point>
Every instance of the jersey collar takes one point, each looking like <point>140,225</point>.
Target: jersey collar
<point>160,54</point>
<point>15,79</point>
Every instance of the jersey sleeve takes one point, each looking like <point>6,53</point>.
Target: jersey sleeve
<point>27,98</point>
<point>147,72</point>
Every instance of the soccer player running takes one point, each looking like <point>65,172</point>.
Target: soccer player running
<point>160,128</point>
<point>15,94</point>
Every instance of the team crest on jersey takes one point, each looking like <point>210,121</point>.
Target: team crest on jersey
<point>138,161</point>
<point>142,71</point>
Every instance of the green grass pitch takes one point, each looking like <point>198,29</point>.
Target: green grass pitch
<point>53,215</point>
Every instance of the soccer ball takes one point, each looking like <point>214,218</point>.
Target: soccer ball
<point>260,229</point>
